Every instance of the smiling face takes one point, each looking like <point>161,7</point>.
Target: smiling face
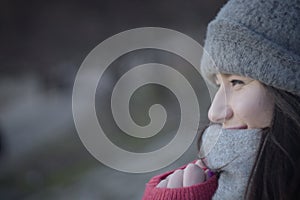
<point>241,103</point>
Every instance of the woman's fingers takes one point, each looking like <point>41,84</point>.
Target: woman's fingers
<point>200,164</point>
<point>193,174</point>
<point>163,183</point>
<point>175,180</point>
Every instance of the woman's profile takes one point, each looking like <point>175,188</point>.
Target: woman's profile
<point>251,148</point>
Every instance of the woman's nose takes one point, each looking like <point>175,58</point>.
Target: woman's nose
<point>220,110</point>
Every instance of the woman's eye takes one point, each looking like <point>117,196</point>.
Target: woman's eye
<point>236,82</point>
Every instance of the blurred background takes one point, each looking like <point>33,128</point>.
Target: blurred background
<point>42,45</point>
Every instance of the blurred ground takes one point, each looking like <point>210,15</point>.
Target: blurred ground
<point>42,46</point>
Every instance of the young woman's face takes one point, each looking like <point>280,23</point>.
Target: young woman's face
<point>241,103</point>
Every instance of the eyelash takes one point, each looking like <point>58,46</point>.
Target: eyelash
<point>235,82</point>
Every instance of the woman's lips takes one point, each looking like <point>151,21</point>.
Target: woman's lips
<point>238,127</point>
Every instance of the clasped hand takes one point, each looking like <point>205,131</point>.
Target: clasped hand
<point>193,174</point>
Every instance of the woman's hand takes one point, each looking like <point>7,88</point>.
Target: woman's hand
<point>191,175</point>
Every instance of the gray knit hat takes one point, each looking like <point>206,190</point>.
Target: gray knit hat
<point>259,39</point>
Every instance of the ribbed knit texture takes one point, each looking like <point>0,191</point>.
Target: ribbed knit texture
<point>201,191</point>
<point>257,39</point>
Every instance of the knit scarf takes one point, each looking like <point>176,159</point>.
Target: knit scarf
<point>231,152</point>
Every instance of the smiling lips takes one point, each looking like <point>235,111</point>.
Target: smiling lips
<point>239,127</point>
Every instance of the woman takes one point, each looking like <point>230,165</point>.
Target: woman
<point>251,149</point>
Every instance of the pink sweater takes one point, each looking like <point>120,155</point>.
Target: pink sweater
<point>201,191</point>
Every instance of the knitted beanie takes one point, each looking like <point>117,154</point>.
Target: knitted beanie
<point>259,39</point>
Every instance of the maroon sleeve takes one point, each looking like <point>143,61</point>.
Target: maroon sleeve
<point>201,191</point>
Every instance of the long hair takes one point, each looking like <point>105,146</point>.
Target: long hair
<point>276,171</point>
<point>275,174</point>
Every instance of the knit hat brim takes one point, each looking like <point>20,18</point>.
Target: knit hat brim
<point>234,49</point>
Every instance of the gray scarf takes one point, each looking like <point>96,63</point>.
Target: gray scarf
<point>231,151</point>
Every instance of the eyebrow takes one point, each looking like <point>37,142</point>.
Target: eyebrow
<point>228,75</point>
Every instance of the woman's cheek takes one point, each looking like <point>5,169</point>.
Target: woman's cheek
<point>245,111</point>
<point>254,109</point>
